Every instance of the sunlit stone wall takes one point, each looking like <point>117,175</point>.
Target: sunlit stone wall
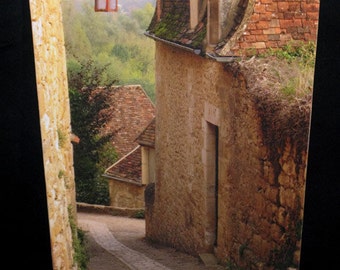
<point>51,76</point>
<point>258,214</point>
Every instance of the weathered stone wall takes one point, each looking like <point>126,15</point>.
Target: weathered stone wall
<point>51,76</point>
<point>126,195</point>
<point>259,209</point>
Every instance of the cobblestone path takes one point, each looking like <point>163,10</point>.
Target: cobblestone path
<point>133,259</point>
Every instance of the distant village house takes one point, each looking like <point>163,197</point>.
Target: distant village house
<point>130,112</point>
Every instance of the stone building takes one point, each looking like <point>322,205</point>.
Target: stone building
<point>229,180</point>
<point>130,111</point>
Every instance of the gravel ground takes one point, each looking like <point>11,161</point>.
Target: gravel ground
<point>118,243</point>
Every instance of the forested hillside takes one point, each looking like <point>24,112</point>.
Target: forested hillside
<point>113,43</point>
<point>124,5</point>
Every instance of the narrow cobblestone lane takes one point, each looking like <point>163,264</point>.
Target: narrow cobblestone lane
<point>117,243</point>
<point>133,259</point>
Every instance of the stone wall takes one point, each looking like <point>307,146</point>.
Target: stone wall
<point>126,195</point>
<point>257,217</point>
<point>51,76</point>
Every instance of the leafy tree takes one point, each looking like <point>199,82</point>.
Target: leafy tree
<point>121,51</point>
<point>94,152</point>
<point>112,38</point>
<point>77,42</point>
<point>100,28</point>
<point>143,15</point>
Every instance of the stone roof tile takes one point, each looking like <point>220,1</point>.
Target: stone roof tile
<point>130,110</point>
<point>174,25</point>
<point>147,137</point>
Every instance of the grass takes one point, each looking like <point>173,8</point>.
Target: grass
<point>81,256</point>
<point>283,73</point>
<point>292,68</point>
<point>281,85</point>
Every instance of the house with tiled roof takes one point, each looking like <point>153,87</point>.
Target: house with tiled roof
<point>130,111</point>
<point>229,165</point>
<point>233,28</point>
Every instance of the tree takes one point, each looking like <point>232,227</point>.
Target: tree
<point>94,152</point>
<point>114,40</point>
<point>144,15</point>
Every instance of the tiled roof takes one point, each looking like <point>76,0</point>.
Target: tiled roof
<point>246,27</point>
<point>130,111</point>
<point>128,168</point>
<point>173,25</point>
<point>147,137</point>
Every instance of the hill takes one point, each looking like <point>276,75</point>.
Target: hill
<point>125,6</point>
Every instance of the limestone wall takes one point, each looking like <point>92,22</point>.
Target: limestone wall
<point>50,62</point>
<point>258,214</point>
<point>126,195</point>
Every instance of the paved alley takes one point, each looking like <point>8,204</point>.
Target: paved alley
<point>117,243</point>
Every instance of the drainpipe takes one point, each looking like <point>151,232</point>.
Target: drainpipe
<point>222,59</point>
<point>195,51</point>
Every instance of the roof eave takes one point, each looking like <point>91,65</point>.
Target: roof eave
<point>125,180</point>
<point>195,51</point>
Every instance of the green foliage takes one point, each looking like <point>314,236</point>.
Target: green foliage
<point>139,214</point>
<point>81,257</point>
<point>301,52</point>
<point>296,71</point>
<point>88,73</point>
<point>62,138</point>
<point>167,28</point>
<point>144,15</point>
<point>61,174</point>
<point>103,49</point>
<point>288,90</point>
<point>93,152</point>
<point>79,45</point>
<point>121,52</point>
<point>197,42</point>
<point>115,41</point>
<point>107,153</point>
